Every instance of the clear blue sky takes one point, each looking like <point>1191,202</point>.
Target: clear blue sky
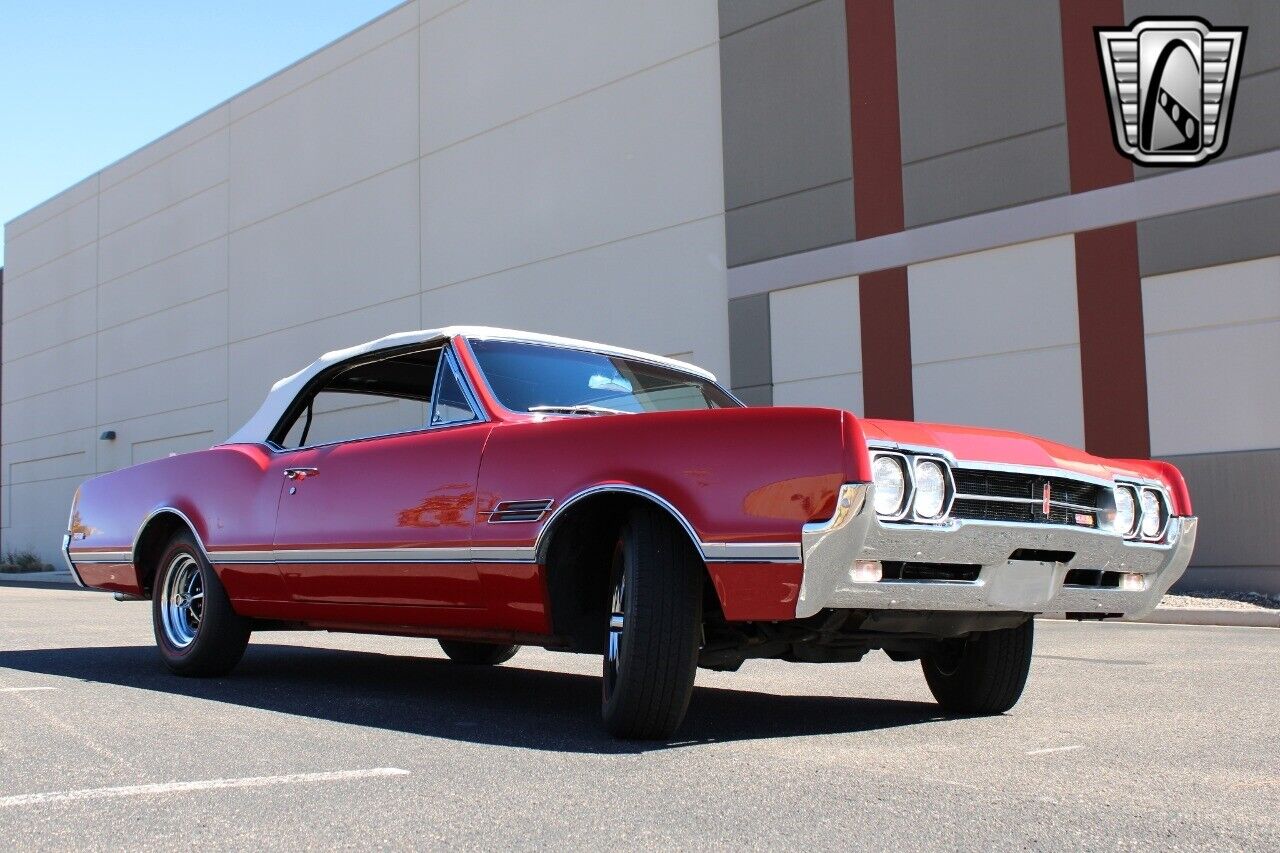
<point>84,82</point>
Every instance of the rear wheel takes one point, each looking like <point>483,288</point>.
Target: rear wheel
<point>983,674</point>
<point>654,628</point>
<point>478,654</point>
<point>197,631</point>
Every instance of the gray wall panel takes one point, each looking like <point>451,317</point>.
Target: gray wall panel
<point>1012,171</point>
<point>971,73</point>
<point>750,349</point>
<point>737,15</point>
<point>756,395</point>
<point>786,105</point>
<point>1213,235</point>
<point>793,223</point>
<point>785,109</point>
<point>1235,497</point>
<point>982,128</point>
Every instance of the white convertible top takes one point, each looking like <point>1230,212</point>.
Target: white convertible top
<point>258,427</point>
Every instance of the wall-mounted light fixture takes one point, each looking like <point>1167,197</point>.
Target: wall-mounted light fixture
<point>107,435</point>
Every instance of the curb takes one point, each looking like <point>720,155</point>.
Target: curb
<point>1207,616</point>
<point>38,580</point>
<point>1225,618</point>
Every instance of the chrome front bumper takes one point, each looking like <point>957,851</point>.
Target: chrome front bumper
<point>830,549</point>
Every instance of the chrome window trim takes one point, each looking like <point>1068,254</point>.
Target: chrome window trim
<point>481,416</point>
<point>448,357</point>
<point>509,340</point>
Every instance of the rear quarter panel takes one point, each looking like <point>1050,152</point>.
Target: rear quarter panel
<point>222,491</point>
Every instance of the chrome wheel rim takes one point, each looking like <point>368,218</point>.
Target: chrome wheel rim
<point>617,619</point>
<point>182,601</point>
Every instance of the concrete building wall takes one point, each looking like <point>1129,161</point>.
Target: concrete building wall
<point>788,168</point>
<point>413,174</point>
<point>981,104</point>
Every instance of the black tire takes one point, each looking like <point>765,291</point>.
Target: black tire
<point>658,577</point>
<point>219,634</point>
<point>478,654</point>
<point>982,675</point>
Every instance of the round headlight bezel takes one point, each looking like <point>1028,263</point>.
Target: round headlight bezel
<point>1135,516</point>
<point>899,462</point>
<point>923,470</point>
<point>1160,514</point>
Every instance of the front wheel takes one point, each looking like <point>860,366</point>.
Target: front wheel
<point>983,674</point>
<point>654,628</point>
<point>197,631</point>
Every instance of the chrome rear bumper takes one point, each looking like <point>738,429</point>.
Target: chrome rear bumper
<point>853,533</point>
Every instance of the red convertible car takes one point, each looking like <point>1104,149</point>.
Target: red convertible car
<point>492,489</point>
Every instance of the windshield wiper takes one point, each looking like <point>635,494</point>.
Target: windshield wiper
<point>581,409</point>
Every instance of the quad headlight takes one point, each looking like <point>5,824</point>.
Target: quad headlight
<point>1126,511</point>
<point>891,485</point>
<point>910,487</point>
<point>1152,514</point>
<point>1142,512</point>
<point>931,489</point>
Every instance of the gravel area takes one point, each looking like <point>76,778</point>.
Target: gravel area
<point>1216,600</point>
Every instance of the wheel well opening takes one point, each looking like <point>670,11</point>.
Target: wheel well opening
<point>159,529</point>
<point>579,556</point>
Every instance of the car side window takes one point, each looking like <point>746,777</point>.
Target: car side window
<point>450,404</point>
<point>381,397</point>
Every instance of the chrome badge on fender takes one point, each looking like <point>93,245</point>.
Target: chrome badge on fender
<point>1170,86</point>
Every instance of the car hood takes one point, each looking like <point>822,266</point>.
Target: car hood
<point>974,444</point>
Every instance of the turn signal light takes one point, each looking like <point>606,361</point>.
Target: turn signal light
<point>866,571</point>
<point>1132,582</point>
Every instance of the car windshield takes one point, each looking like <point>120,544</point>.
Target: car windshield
<point>528,377</point>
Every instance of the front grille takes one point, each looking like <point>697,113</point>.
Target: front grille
<point>1016,497</point>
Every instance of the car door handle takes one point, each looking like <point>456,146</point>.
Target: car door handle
<point>300,473</point>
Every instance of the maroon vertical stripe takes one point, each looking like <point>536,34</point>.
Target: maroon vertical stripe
<point>877,173</point>
<point>1113,360</point>
<point>1113,354</point>
<point>1091,152</point>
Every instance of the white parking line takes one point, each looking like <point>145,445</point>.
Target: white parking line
<point>23,689</point>
<point>1055,749</point>
<point>179,787</point>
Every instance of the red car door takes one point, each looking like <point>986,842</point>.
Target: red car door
<point>377,528</point>
<point>383,521</point>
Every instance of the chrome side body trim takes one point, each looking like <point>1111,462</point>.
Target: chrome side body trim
<point>104,557</point>
<point>66,556</point>
<point>66,541</point>
<point>293,556</point>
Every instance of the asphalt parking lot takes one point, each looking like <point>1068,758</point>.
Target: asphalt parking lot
<point>1127,736</point>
